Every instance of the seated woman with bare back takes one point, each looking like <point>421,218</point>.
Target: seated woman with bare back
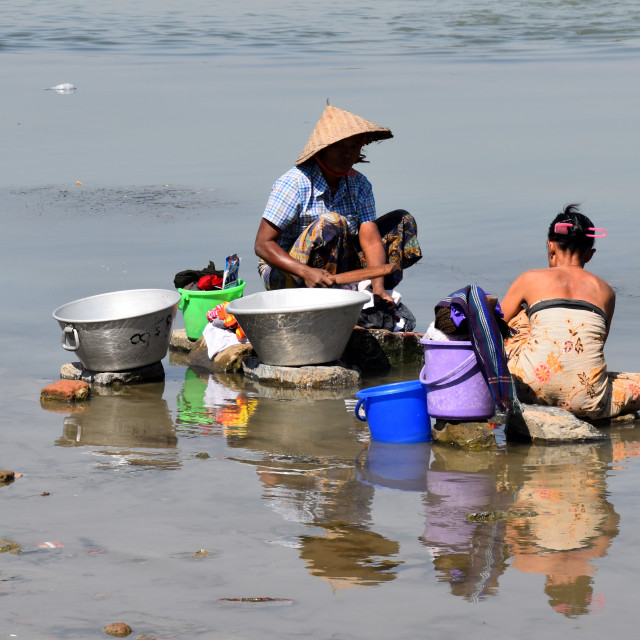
<point>556,355</point>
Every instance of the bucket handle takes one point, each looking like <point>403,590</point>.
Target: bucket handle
<point>357,411</point>
<point>74,343</point>
<point>184,299</point>
<point>432,383</point>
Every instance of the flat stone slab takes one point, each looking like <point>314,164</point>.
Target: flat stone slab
<point>179,341</point>
<point>307,377</point>
<point>378,350</point>
<point>373,351</point>
<point>150,373</point>
<point>551,425</point>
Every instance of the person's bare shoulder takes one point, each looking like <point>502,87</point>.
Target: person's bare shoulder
<point>520,291</point>
<point>608,295</point>
<point>530,281</point>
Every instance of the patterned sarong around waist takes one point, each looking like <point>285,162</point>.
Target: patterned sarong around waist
<point>557,358</point>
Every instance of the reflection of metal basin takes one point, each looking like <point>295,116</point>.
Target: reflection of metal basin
<point>119,330</point>
<point>292,327</point>
<point>138,418</point>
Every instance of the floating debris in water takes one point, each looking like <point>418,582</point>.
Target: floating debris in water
<point>50,545</point>
<point>491,516</point>
<point>292,542</point>
<point>198,555</point>
<point>65,88</point>
<point>9,546</point>
<point>259,600</point>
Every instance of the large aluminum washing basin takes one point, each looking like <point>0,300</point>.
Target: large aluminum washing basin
<point>119,330</point>
<point>294,327</point>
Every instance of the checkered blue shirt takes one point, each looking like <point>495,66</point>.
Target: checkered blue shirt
<point>301,195</point>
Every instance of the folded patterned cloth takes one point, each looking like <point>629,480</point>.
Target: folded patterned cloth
<point>228,320</point>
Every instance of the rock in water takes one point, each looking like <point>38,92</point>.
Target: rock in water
<point>473,436</point>
<point>538,424</point>
<point>118,629</point>
<point>66,391</point>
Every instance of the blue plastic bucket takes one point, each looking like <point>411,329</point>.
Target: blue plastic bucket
<point>455,385</point>
<point>396,412</point>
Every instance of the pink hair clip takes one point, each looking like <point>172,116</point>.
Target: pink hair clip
<point>563,228</point>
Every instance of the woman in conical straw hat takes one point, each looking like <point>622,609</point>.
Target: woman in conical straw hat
<point>321,218</point>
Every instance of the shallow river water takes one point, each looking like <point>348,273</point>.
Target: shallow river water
<point>160,160</point>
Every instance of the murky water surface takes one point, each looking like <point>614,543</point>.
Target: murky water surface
<point>160,160</point>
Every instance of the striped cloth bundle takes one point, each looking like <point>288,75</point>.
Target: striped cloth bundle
<point>487,344</point>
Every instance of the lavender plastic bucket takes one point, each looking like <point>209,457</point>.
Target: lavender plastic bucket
<point>453,380</point>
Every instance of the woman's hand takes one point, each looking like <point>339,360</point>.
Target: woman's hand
<point>267,247</point>
<point>378,290</point>
<point>317,278</point>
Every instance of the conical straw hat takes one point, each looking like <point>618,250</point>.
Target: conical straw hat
<point>335,125</point>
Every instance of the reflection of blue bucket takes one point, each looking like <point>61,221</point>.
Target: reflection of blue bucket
<point>396,412</point>
<point>400,467</point>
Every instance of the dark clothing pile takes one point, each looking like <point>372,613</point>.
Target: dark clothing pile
<point>204,280</point>
<point>386,315</point>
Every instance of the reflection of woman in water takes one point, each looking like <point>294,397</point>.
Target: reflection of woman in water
<point>566,487</point>
<point>308,476</point>
<point>349,556</point>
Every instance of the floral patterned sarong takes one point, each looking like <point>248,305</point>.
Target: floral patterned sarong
<point>556,358</point>
<point>327,243</point>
